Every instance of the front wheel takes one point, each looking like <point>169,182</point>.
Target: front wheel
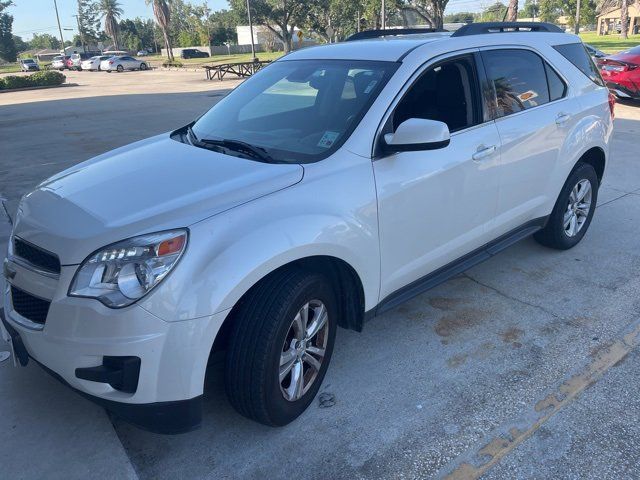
<point>573,211</point>
<point>143,66</point>
<point>120,68</point>
<point>280,347</point>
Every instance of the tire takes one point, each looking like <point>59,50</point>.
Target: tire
<point>120,68</point>
<point>264,335</point>
<point>143,66</point>
<point>558,233</point>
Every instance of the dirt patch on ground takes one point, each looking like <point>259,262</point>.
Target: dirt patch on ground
<point>454,323</point>
<point>444,303</point>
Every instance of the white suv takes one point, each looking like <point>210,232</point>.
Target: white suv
<point>331,186</point>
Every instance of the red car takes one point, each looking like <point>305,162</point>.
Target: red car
<point>621,72</point>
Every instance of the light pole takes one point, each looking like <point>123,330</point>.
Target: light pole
<point>253,48</point>
<point>383,12</point>
<point>55,5</point>
<point>576,29</point>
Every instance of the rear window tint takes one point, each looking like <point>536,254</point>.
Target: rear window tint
<point>557,88</point>
<point>577,54</point>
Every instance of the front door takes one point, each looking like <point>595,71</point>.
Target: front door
<point>437,205</point>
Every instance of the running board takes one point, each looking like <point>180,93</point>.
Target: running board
<point>456,267</point>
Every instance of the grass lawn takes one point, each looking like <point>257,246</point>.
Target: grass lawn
<point>156,60</point>
<point>610,43</point>
<point>10,68</point>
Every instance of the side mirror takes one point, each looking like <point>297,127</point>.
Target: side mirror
<point>417,134</point>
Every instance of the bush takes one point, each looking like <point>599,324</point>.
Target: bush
<point>175,63</point>
<point>46,78</point>
<point>38,79</point>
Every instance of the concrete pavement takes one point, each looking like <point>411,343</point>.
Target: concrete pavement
<point>523,367</point>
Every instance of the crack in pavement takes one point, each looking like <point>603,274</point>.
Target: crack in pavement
<point>478,461</point>
<point>509,297</point>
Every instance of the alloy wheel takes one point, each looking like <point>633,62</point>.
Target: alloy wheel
<point>578,208</point>
<point>303,350</point>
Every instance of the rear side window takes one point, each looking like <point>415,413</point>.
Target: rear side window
<point>519,79</point>
<point>557,88</point>
<point>577,54</point>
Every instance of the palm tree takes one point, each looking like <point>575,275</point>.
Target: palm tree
<point>163,17</point>
<point>110,11</point>
<point>512,11</point>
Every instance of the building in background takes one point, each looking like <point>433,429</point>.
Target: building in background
<point>609,21</point>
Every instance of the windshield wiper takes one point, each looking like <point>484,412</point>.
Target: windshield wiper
<point>235,145</point>
<point>240,146</point>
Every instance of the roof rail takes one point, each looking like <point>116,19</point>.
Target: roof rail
<point>365,34</point>
<point>505,27</point>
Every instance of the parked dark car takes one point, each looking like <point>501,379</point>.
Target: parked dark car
<point>193,53</point>
<point>29,65</point>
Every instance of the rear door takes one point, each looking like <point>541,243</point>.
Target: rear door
<point>533,113</point>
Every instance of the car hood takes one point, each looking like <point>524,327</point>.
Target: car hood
<point>152,185</point>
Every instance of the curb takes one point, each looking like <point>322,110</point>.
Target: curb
<point>24,89</point>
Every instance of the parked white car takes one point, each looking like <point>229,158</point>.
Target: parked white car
<point>94,63</point>
<point>59,62</point>
<point>328,188</point>
<point>120,63</point>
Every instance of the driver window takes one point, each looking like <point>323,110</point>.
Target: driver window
<point>446,92</point>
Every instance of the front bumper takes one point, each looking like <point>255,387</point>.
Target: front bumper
<point>159,417</point>
<point>81,335</point>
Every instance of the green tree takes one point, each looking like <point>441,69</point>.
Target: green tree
<point>7,44</point>
<point>431,11</point>
<point>494,13</point>
<point>531,9</point>
<point>88,21</point>
<point>21,45</point>
<point>41,41</point>
<point>162,14</point>
<point>550,10</point>
<point>460,17</point>
<point>331,20</point>
<point>279,16</point>
<point>110,11</point>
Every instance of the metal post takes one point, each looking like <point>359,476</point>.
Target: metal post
<point>383,14</point>
<point>84,48</point>
<point>253,48</point>
<point>576,29</point>
<point>55,4</point>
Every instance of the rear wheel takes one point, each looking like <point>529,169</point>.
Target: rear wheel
<point>573,211</point>
<point>280,346</point>
<point>143,66</point>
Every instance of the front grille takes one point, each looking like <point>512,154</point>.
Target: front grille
<point>30,307</point>
<point>36,255</point>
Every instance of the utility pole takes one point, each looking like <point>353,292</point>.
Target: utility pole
<point>84,48</point>
<point>383,14</point>
<point>253,48</point>
<point>55,4</point>
<point>206,19</point>
<point>576,28</point>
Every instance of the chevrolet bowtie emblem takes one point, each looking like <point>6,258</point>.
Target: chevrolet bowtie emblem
<point>9,272</point>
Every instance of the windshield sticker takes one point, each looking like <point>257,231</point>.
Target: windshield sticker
<point>328,139</point>
<point>372,84</point>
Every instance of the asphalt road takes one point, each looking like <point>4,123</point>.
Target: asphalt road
<point>523,367</point>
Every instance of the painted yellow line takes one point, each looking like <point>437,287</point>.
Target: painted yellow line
<point>546,408</point>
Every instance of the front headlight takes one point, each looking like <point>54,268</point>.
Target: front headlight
<point>124,272</point>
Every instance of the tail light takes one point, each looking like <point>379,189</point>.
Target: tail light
<point>110,62</point>
<point>612,105</point>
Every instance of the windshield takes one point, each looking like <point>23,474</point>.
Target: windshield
<point>28,61</point>
<point>298,111</point>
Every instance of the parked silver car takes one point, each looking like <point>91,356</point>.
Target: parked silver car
<point>60,62</point>
<point>120,63</point>
<point>29,65</point>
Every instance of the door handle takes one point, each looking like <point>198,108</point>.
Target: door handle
<point>483,152</point>
<point>562,118</point>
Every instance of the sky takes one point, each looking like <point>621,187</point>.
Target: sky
<point>39,16</point>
